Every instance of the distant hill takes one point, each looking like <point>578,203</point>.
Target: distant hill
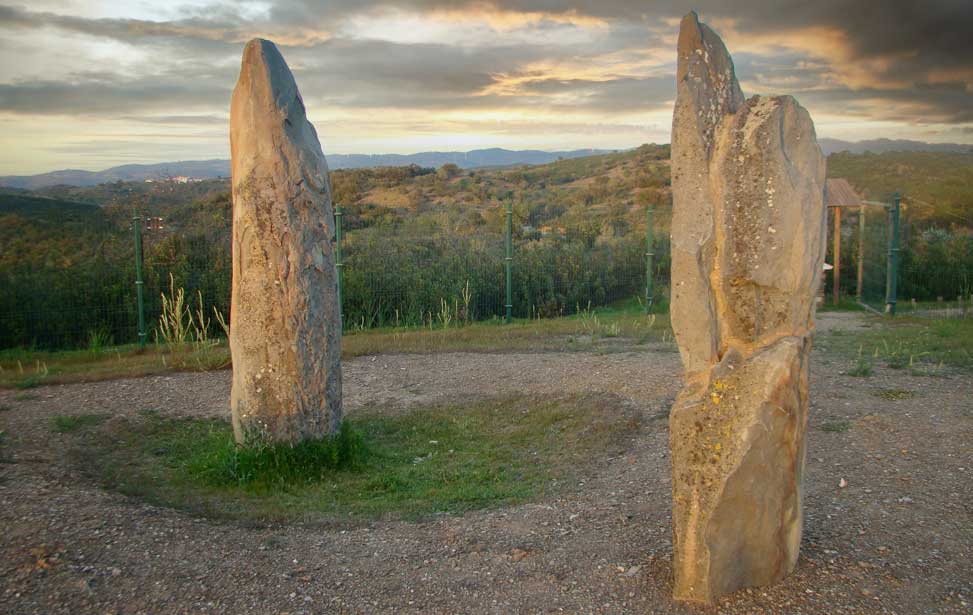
<point>880,146</point>
<point>38,230</point>
<point>937,187</point>
<point>129,172</point>
<point>495,157</point>
<point>210,169</point>
<point>49,210</point>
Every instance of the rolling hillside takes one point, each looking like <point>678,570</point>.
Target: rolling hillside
<point>418,235</point>
<point>600,194</point>
<point>215,169</point>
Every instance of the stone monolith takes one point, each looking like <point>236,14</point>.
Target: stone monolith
<point>747,251</point>
<point>285,333</point>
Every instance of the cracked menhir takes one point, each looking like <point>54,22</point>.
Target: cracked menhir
<point>285,333</point>
<point>748,233</point>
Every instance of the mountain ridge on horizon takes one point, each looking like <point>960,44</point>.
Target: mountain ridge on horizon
<point>490,157</point>
<point>218,167</point>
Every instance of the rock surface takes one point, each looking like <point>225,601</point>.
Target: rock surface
<point>748,236</point>
<point>285,333</point>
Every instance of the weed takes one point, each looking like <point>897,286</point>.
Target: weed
<point>445,314</point>
<point>862,368</point>
<point>466,295</point>
<point>175,321</point>
<point>894,394</point>
<point>272,543</point>
<point>98,340</point>
<point>836,425</point>
<point>29,382</point>
<point>5,408</point>
<point>221,320</point>
<point>179,324</point>
<point>76,422</point>
<point>25,396</point>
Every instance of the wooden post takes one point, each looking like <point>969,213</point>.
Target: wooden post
<point>837,255</point>
<point>861,251</point>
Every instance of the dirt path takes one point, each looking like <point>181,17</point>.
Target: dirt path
<point>897,539</point>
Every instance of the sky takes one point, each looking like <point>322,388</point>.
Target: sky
<point>89,84</point>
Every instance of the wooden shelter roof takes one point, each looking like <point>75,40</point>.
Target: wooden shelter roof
<point>839,193</point>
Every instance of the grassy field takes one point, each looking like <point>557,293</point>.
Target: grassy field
<point>608,328</point>
<point>440,459</point>
<point>903,342</point>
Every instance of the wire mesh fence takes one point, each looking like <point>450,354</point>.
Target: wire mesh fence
<point>872,245</point>
<point>68,273</point>
<point>906,262</point>
<point>935,269</point>
<point>72,283</point>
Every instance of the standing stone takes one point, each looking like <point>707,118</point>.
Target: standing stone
<point>285,335</point>
<point>748,234</point>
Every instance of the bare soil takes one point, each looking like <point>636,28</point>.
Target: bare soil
<point>896,538</point>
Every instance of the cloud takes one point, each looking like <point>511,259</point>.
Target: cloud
<point>448,65</point>
<point>221,25</point>
<point>186,120</point>
<point>99,96</point>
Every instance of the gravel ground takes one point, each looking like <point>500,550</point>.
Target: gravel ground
<point>897,538</point>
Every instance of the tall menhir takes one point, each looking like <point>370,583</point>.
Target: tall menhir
<point>285,334</point>
<point>747,250</point>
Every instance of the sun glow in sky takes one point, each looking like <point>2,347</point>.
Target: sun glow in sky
<point>95,83</point>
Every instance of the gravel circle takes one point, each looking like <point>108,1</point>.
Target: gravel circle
<point>896,538</point>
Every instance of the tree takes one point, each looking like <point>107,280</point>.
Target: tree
<point>448,171</point>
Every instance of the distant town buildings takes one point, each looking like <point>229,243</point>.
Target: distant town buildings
<point>178,179</point>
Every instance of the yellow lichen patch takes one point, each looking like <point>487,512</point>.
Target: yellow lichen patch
<point>716,395</point>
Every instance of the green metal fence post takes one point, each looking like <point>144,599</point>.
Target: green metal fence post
<point>137,226</point>
<point>508,261</point>
<point>891,271</point>
<point>649,257</point>
<point>339,264</point>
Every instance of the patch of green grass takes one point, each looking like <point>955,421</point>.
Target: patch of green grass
<point>21,369</point>
<point>219,462</point>
<point>898,355</point>
<point>25,396</point>
<point>29,382</point>
<point>5,408</point>
<point>894,394</point>
<point>836,425</point>
<point>846,304</point>
<point>442,459</point>
<point>76,422</point>
<point>622,326</point>
<point>911,342</point>
<point>861,369</point>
